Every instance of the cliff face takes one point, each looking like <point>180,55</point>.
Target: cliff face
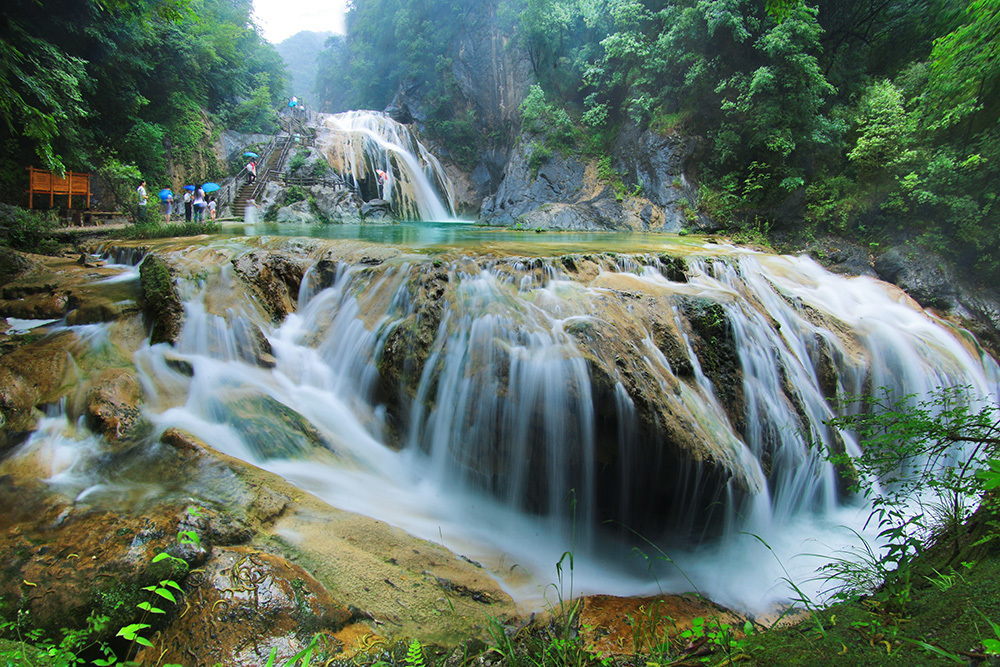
<point>494,73</point>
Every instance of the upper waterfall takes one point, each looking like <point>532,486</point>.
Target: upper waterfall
<point>370,146</point>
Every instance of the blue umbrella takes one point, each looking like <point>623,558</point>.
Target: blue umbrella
<point>189,188</point>
<point>210,187</point>
<point>250,154</point>
<point>165,193</point>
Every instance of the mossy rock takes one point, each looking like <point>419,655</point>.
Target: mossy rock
<point>161,303</point>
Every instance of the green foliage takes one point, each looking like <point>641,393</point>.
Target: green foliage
<point>415,655</point>
<point>538,154</point>
<point>542,119</point>
<point>295,193</point>
<point>30,231</point>
<point>607,174</point>
<point>155,229</point>
<point>86,82</point>
<point>882,128</point>
<point>925,454</point>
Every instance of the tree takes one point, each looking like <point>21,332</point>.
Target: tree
<point>964,85</point>
<point>882,127</point>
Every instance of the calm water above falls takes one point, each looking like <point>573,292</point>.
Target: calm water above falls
<point>561,405</point>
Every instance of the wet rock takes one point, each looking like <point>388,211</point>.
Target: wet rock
<point>31,375</point>
<point>407,347</point>
<point>923,275</point>
<point>242,605</point>
<point>271,430</point>
<point>113,404</point>
<point>13,264</point>
<point>275,278</point>
<point>615,626</point>
<point>62,562</point>
<point>160,301</point>
<point>715,345</point>
<point>251,343</point>
<point>377,211</point>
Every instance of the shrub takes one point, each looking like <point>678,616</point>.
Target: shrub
<point>26,230</point>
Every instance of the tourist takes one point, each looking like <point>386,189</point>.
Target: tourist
<point>168,205</point>
<point>141,190</point>
<point>187,205</point>
<point>252,170</point>
<point>198,203</point>
<point>211,209</point>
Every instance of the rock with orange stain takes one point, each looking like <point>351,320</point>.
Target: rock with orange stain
<point>624,626</point>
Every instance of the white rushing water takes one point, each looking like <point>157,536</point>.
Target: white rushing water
<point>369,145</point>
<point>505,455</point>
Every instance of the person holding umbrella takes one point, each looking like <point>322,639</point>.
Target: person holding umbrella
<point>206,188</point>
<point>166,203</point>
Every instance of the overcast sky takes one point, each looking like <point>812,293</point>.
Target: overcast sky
<point>280,19</point>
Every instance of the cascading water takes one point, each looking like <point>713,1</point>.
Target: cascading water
<point>516,408</point>
<point>370,146</point>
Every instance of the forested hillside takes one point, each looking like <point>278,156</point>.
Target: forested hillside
<point>129,89</point>
<point>870,119</point>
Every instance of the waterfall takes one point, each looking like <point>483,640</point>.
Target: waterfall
<point>367,144</point>
<point>513,408</point>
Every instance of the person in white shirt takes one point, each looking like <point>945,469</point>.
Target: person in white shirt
<point>142,193</point>
<point>198,203</point>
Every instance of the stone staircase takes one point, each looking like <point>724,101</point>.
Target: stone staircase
<point>267,169</point>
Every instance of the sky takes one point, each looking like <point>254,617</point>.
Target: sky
<point>280,19</point>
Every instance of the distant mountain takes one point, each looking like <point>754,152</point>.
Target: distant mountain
<point>299,52</point>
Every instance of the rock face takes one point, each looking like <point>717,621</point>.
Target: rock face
<point>564,193</point>
<point>325,203</point>
<point>927,278</point>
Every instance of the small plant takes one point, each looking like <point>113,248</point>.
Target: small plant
<point>415,655</point>
<point>164,589</point>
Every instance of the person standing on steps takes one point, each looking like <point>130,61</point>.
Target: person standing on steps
<point>187,205</point>
<point>252,170</point>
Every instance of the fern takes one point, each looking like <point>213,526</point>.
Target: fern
<point>415,655</point>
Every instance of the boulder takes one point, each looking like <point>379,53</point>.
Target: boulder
<point>922,274</point>
<point>338,204</point>
<point>13,264</point>
<point>160,301</point>
<point>242,605</point>
<point>275,277</point>
<point>377,211</point>
<point>113,404</point>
